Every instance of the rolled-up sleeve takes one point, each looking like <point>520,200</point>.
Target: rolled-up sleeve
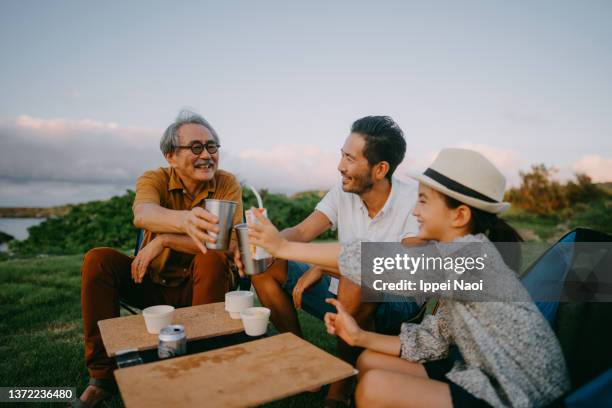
<point>426,341</point>
<point>150,188</point>
<point>410,228</point>
<point>329,205</point>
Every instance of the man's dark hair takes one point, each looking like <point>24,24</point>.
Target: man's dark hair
<point>384,141</point>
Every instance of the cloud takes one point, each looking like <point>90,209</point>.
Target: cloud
<point>596,166</point>
<point>89,151</point>
<point>288,168</point>
<point>508,161</point>
<point>92,156</point>
<point>75,150</point>
<point>504,159</point>
<point>50,193</point>
<point>62,127</point>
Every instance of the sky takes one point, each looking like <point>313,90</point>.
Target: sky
<point>87,88</point>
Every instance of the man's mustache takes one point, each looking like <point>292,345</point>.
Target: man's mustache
<point>204,162</point>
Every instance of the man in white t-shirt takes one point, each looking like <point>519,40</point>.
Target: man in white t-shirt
<point>369,203</point>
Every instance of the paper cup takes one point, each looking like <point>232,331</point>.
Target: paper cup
<point>255,320</point>
<point>157,317</point>
<point>238,300</point>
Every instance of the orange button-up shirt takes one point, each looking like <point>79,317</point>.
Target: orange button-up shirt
<point>164,187</point>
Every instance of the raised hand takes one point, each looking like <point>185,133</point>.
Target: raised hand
<point>197,223</point>
<point>342,324</point>
<point>265,234</point>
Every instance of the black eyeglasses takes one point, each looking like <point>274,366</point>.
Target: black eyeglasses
<point>198,147</point>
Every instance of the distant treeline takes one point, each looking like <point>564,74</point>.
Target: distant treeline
<point>4,237</point>
<point>109,223</point>
<point>540,194</point>
<point>34,212</point>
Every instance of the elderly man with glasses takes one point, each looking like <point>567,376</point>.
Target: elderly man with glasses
<point>173,265</point>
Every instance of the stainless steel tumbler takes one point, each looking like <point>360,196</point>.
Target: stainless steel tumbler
<point>225,211</point>
<point>251,266</point>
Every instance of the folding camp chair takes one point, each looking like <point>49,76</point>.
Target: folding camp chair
<point>122,303</point>
<point>583,328</point>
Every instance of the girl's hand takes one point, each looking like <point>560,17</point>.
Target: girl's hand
<point>342,324</point>
<point>265,234</point>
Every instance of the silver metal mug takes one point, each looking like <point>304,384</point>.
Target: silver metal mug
<point>225,211</point>
<point>251,266</point>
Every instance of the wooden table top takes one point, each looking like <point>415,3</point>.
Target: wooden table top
<point>203,321</point>
<point>247,374</point>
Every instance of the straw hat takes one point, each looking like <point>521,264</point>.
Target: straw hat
<point>467,176</point>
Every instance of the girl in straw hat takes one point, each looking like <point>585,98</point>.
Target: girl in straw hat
<point>509,354</point>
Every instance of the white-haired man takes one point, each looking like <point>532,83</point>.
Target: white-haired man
<point>173,265</point>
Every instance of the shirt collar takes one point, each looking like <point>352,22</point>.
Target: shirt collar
<point>391,197</point>
<point>175,183</point>
<point>387,204</point>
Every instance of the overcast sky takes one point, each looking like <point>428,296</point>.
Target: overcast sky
<point>88,87</point>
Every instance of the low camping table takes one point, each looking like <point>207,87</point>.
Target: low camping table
<point>206,327</point>
<point>247,374</point>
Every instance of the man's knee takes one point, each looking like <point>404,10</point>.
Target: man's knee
<point>265,284</point>
<point>211,268</point>
<point>274,276</point>
<point>212,262</point>
<point>95,263</point>
<point>349,294</point>
<point>278,271</point>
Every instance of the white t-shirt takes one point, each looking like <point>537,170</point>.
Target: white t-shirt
<point>348,213</point>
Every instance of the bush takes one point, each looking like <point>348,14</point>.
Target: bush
<point>4,237</point>
<point>109,223</point>
<point>286,211</point>
<point>597,216</point>
<point>85,226</point>
<point>540,194</point>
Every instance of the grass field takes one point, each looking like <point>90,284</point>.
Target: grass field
<point>40,318</point>
<point>40,322</point>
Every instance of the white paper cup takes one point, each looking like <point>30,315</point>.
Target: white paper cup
<point>238,300</point>
<point>157,317</point>
<point>255,320</point>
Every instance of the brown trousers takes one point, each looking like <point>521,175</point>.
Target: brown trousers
<point>106,277</point>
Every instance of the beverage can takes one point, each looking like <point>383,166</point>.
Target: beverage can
<point>172,341</point>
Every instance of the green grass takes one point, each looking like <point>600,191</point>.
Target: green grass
<point>40,322</point>
<point>40,318</point>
